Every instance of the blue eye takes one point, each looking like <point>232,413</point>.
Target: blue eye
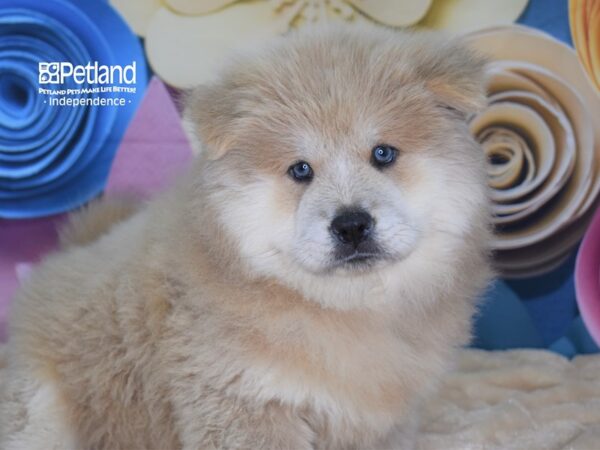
<point>301,171</point>
<point>383,155</point>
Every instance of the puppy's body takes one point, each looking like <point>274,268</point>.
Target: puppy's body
<point>222,316</point>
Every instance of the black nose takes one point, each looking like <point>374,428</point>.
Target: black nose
<point>352,227</point>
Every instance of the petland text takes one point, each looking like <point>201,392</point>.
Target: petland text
<point>91,73</point>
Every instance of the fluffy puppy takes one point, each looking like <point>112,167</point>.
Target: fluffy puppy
<point>303,287</point>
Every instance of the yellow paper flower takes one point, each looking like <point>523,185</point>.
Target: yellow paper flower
<point>186,40</point>
<point>543,147</point>
<point>584,18</point>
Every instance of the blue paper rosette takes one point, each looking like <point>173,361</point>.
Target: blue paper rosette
<point>71,76</point>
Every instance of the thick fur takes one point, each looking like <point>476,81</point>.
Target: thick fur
<point>217,317</point>
<point>96,219</point>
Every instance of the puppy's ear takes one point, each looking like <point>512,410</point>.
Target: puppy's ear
<point>461,100</point>
<point>457,77</point>
<point>209,118</point>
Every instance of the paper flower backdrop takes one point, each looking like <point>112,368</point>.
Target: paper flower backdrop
<point>54,158</point>
<point>187,39</point>
<point>543,145</point>
<point>584,18</point>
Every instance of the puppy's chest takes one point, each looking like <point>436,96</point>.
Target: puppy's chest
<point>346,373</point>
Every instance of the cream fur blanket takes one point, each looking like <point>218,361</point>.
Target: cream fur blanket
<point>513,400</point>
<point>519,399</point>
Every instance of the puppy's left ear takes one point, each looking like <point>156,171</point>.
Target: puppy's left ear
<point>458,79</point>
<point>209,117</point>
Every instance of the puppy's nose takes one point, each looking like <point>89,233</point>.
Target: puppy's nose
<point>352,227</point>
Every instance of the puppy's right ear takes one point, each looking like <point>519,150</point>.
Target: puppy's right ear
<point>456,75</point>
<point>209,117</point>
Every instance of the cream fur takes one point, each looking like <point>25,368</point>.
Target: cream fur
<point>215,317</point>
<point>515,400</point>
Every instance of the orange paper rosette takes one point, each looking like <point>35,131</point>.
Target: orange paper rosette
<point>543,147</point>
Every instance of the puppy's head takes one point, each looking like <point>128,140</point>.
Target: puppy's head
<point>340,152</point>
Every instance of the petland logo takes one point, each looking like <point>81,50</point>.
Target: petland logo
<point>92,73</point>
<point>93,84</point>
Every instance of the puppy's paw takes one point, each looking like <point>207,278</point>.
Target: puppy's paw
<point>266,427</point>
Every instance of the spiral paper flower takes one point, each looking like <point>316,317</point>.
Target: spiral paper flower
<point>54,158</point>
<point>187,39</point>
<point>543,147</point>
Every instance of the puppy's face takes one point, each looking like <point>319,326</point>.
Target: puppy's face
<point>340,153</point>
<point>345,186</point>
<point>352,211</point>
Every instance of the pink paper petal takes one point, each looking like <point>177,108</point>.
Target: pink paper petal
<point>587,278</point>
<point>154,150</point>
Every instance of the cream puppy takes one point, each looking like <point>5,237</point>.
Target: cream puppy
<point>303,287</point>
